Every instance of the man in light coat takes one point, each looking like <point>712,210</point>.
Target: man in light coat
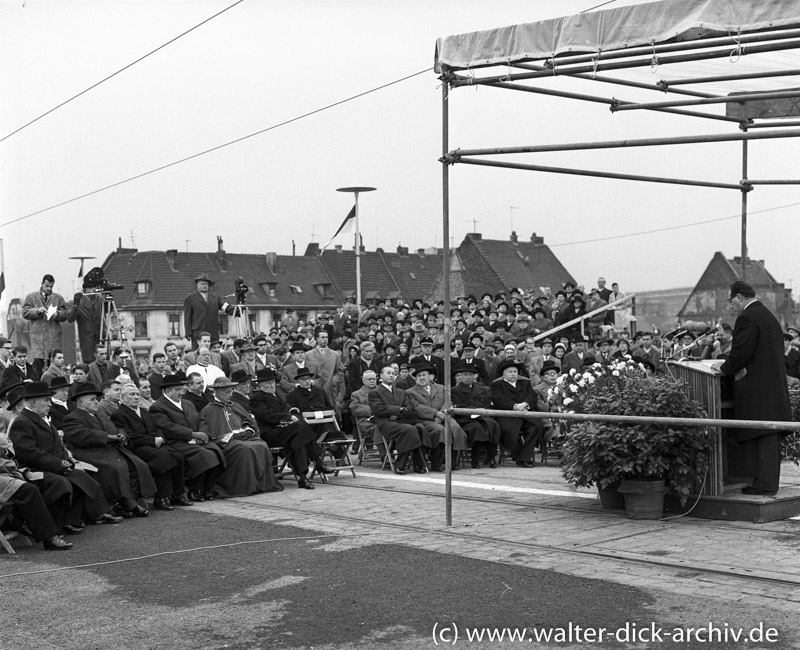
<point>46,311</point>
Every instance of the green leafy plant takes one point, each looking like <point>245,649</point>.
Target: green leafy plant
<point>790,445</point>
<point>602,453</point>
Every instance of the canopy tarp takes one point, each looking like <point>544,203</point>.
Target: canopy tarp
<point>611,29</point>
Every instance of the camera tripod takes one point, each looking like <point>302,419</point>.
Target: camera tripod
<point>240,328</point>
<point>109,316</point>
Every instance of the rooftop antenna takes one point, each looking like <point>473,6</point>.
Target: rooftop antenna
<point>133,240</point>
<point>187,244</point>
<point>81,257</point>
<point>511,209</point>
<point>313,231</point>
<point>474,225</point>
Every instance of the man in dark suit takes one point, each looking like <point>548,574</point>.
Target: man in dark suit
<point>19,369</point>
<point>393,421</point>
<point>166,464</point>
<point>472,362</point>
<point>512,392</point>
<point>201,310</point>
<point>575,358</point>
<point>177,421</point>
<point>483,434</point>
<point>756,362</point>
<point>430,359</point>
<point>73,496</point>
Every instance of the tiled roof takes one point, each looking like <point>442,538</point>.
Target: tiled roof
<point>522,264</point>
<point>172,277</point>
<point>414,273</point>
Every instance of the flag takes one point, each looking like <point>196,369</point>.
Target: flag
<point>80,273</point>
<point>347,226</point>
<point>2,270</point>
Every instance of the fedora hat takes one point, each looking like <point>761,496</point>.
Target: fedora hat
<point>59,382</point>
<point>204,277</point>
<point>87,388</point>
<point>510,363</point>
<point>266,374</point>
<point>9,386</point>
<point>15,395</point>
<point>224,382</point>
<point>415,368</point>
<point>550,365</point>
<point>178,379</point>
<point>303,372</point>
<point>298,347</point>
<point>240,376</point>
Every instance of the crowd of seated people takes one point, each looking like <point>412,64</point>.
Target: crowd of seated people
<point>112,440</point>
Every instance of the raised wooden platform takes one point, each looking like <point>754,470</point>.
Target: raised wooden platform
<point>735,506</point>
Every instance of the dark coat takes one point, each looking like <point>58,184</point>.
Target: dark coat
<point>142,433</point>
<point>269,412</point>
<point>86,435</point>
<point>479,429</point>
<point>201,316</point>
<point>313,399</point>
<point>38,446</point>
<point>392,422</point>
<point>57,415</point>
<point>757,363</point>
<point>13,373</point>
<point>177,426</point>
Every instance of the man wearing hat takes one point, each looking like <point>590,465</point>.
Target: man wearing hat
<point>425,401</point>
<point>290,370</point>
<point>757,365</point>
<point>121,364</point>
<point>574,359</point>
<point>429,359</point>
<point>576,309</point>
<point>247,361</point>
<point>94,439</point>
<point>201,310</point>
<point>549,372</point>
<point>177,421</point>
<point>279,428</point>
<point>59,407</point>
<point>512,392</point>
<point>72,495</point>
<point>242,390</point>
<point>306,397</point>
<point>247,458</point>
<point>547,355</point>
<point>483,433</point>
<point>165,463</point>
<point>603,353</point>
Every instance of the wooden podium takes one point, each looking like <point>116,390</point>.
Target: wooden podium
<point>729,465</point>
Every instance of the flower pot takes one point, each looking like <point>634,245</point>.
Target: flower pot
<point>643,499</point>
<point>610,499</point>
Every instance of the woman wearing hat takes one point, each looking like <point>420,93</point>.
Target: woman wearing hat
<point>93,438</point>
<point>248,459</point>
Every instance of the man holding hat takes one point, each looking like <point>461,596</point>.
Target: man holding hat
<point>177,421</point>
<point>483,433</point>
<point>93,438</point>
<point>72,495</point>
<point>201,310</point>
<point>248,459</point>
<point>280,428</point>
<point>512,392</point>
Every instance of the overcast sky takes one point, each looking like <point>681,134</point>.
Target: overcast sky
<point>267,61</point>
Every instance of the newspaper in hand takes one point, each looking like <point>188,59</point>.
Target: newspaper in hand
<point>50,312</point>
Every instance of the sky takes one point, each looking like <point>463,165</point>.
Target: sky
<point>265,62</point>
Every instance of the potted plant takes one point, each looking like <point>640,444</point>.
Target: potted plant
<point>643,456</point>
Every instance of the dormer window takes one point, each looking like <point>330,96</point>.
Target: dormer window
<point>142,288</point>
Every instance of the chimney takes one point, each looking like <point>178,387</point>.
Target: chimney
<point>338,248</point>
<point>379,250</point>
<point>222,260</point>
<point>421,252</point>
<point>119,245</point>
<point>220,249</point>
<point>272,263</point>
<point>536,240</point>
<point>475,235</point>
<point>172,255</point>
<point>402,250</point>
<point>312,250</point>
<point>514,236</point>
<point>294,252</point>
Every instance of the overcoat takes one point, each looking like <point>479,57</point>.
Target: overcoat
<point>142,434</point>
<point>392,424</point>
<point>45,333</point>
<point>200,315</point>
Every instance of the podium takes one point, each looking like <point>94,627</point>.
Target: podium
<point>729,465</point>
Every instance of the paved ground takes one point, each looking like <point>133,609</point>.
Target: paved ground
<point>368,562</point>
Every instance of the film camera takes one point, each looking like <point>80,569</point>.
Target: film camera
<point>241,291</point>
<point>96,282</point>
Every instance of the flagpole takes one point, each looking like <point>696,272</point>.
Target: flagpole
<point>355,191</point>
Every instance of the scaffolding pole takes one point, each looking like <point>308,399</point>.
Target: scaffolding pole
<point>446,380</point>
<point>704,101</point>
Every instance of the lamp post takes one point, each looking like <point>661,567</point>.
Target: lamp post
<point>356,191</point>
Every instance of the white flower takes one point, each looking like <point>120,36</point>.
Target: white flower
<point>590,379</point>
<point>572,371</point>
<point>568,401</point>
<point>615,373</point>
<point>573,388</point>
<point>582,383</point>
<point>561,379</point>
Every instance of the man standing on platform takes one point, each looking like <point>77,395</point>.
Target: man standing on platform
<point>201,310</point>
<point>46,311</point>
<point>760,390</point>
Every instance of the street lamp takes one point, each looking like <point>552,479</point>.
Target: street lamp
<point>356,191</point>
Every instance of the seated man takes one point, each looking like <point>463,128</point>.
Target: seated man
<point>425,400</point>
<point>279,428</point>
<point>392,419</point>
<point>92,437</point>
<point>26,501</point>
<point>73,496</point>
<point>59,409</point>
<point>177,421</point>
<point>248,459</point>
<point>166,464</point>
<point>110,390</point>
<point>511,392</point>
<point>483,434</point>
<point>306,397</point>
<point>359,407</point>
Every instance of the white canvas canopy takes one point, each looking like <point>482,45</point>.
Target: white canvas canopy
<point>613,29</point>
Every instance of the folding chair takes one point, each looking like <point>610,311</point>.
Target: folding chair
<point>8,537</point>
<point>284,464</point>
<point>373,453</point>
<point>328,419</point>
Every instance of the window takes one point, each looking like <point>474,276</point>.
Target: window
<point>269,288</point>
<point>252,319</point>
<point>324,290</point>
<point>295,289</point>
<point>140,325</point>
<point>223,325</point>
<point>142,288</point>
<point>174,323</point>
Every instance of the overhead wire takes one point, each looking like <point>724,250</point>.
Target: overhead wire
<point>216,148</point>
<point>602,4</point>
<point>141,58</point>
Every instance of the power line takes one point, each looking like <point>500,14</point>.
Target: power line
<point>218,147</point>
<point>686,225</point>
<point>602,4</point>
<point>141,58</point>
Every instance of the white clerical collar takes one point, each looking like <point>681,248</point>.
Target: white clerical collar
<point>178,404</point>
